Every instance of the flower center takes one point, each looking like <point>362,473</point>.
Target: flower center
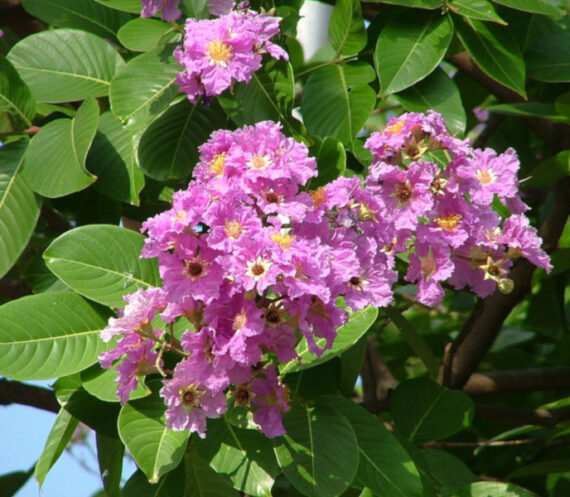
<point>241,395</point>
<point>190,397</point>
<point>403,192</point>
<point>448,222</point>
<point>259,162</point>
<point>273,316</point>
<point>240,321</point>
<point>219,52</point>
<point>233,229</point>
<point>256,269</point>
<point>272,197</point>
<point>319,196</point>
<point>179,216</point>
<point>485,176</point>
<point>284,240</point>
<point>195,268</point>
<point>217,164</point>
<point>427,264</point>
<point>394,129</point>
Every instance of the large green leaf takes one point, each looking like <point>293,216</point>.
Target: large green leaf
<point>437,92</point>
<point>337,101</point>
<point>65,65</point>
<point>101,262</point>
<point>551,170</point>
<point>547,52</point>
<point>246,456</point>
<point>545,7</point>
<point>152,75</point>
<point>11,483</point>
<point>384,465</point>
<point>19,207</point>
<point>169,147</point>
<point>144,35</point>
<point>309,452</point>
<point>203,481</point>
<point>447,469</point>
<point>55,161</point>
<point>495,50</point>
<point>268,96</point>
<point>113,159</point>
<point>346,28</point>
<point>424,411</point>
<point>58,438</point>
<point>488,489</point>
<point>347,335</point>
<point>155,448</point>
<point>78,14</point>
<point>476,9</point>
<point>421,4</point>
<point>331,161</point>
<point>411,46</point>
<point>15,97</point>
<point>49,335</point>
<point>531,109</point>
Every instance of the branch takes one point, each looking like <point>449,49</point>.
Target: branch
<point>539,417</point>
<point>14,392</point>
<point>518,380</point>
<point>465,353</point>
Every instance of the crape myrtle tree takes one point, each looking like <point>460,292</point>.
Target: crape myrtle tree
<point>261,275</point>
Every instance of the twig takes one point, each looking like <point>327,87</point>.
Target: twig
<point>14,392</point>
<point>518,380</point>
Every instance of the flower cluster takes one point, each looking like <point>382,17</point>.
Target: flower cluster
<point>440,194</point>
<point>252,259</point>
<point>217,52</point>
<point>167,9</point>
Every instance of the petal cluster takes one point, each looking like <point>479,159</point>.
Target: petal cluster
<point>167,8</point>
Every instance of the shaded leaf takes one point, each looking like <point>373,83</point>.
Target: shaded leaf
<point>488,489</point>
<point>15,97</point>
<point>425,411</point>
<point>98,415</point>
<point>101,262</point>
<point>11,483</point>
<point>476,9</point>
<point>437,92</point>
<point>133,6</point>
<point>144,35</point>
<point>421,4</point>
<point>168,148</point>
<point>495,50</point>
<point>308,453</point>
<point>536,6</point>
<point>19,207</point>
<point>110,453</point>
<point>203,481</point>
<point>410,47</point>
<point>65,65</point>
<point>347,34</point>
<point>49,335</point>
<point>447,469</point>
<point>113,159</point>
<point>530,109</point>
<point>331,161</point>
<point>55,161</point>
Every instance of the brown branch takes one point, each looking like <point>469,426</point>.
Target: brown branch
<point>539,417</point>
<point>12,288</point>
<point>466,352</point>
<point>14,392</point>
<point>518,380</point>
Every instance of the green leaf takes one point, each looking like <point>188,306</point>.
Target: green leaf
<point>411,46</point>
<point>545,7</point>
<point>55,161</point>
<point>168,148</point>
<point>113,159</point>
<point>145,35</point>
<point>437,92</point>
<point>246,456</point>
<point>414,339</point>
<point>203,481</point>
<point>268,96</point>
<point>347,335</point>
<point>337,101</point>
<point>101,262</point>
<point>488,489</point>
<point>530,109</point>
<point>19,207</point>
<point>541,468</point>
<point>49,335</point>
<point>309,452</point>
<point>110,453</point>
<point>447,469</point>
<point>351,362</point>
<point>100,383</point>
<point>98,415</point>
<point>58,438</point>
<point>11,483</point>
<point>384,465</point>
<point>153,77</point>
<point>420,4</point>
<point>15,97</point>
<point>481,10</point>
<point>133,6</point>
<point>346,28</point>
<point>155,448</point>
<point>171,484</point>
<point>331,161</point>
<point>495,50</point>
<point>547,52</point>
<point>195,8</point>
<point>65,65</point>
<point>424,411</point>
<point>560,261</point>
<point>78,14</point>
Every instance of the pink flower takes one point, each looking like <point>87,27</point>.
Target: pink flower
<point>167,8</point>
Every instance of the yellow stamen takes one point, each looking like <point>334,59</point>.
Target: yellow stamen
<point>394,129</point>
<point>284,240</point>
<point>219,52</point>
<point>233,229</point>
<point>486,176</point>
<point>449,221</point>
<point>319,196</point>
<point>217,164</point>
